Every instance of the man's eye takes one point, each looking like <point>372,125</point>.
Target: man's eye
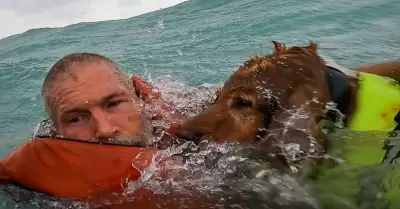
<point>113,104</point>
<point>77,119</point>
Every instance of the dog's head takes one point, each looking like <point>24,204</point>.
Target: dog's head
<point>259,102</point>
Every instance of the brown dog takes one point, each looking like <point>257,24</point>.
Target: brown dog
<point>277,101</point>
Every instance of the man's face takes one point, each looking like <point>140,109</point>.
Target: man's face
<point>92,103</point>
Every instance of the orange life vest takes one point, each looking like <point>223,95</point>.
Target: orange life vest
<point>73,169</point>
<point>92,173</point>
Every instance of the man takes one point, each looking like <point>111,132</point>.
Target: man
<point>88,97</point>
<point>92,106</point>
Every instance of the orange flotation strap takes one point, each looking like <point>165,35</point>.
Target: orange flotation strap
<point>152,95</point>
<point>144,90</point>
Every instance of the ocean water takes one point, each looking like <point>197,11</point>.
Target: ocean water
<point>195,42</point>
<point>199,41</point>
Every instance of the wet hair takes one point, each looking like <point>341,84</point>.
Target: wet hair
<point>64,67</point>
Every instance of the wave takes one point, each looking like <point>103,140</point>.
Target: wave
<point>25,17</point>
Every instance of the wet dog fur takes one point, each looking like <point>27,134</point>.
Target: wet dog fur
<point>275,101</point>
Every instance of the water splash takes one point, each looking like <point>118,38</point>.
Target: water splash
<point>190,101</point>
<point>12,196</point>
<point>158,27</point>
<point>226,171</point>
<point>235,175</point>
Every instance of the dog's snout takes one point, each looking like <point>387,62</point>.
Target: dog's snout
<point>189,135</point>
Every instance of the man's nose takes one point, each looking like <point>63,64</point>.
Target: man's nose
<point>105,127</point>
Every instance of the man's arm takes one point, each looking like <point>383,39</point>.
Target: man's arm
<point>387,69</point>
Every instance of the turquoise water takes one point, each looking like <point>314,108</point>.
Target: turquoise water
<point>199,41</point>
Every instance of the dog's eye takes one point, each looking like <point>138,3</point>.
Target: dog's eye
<point>242,103</point>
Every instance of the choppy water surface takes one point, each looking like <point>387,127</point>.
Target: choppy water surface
<point>227,175</point>
<point>201,42</point>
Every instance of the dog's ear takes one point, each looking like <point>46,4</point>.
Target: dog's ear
<point>297,122</point>
<point>278,47</point>
<point>268,108</point>
<point>313,47</point>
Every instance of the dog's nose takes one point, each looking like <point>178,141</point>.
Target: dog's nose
<point>189,135</point>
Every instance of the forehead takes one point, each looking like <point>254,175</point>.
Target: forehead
<point>264,82</point>
<point>86,83</point>
<point>250,78</point>
<point>82,72</point>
